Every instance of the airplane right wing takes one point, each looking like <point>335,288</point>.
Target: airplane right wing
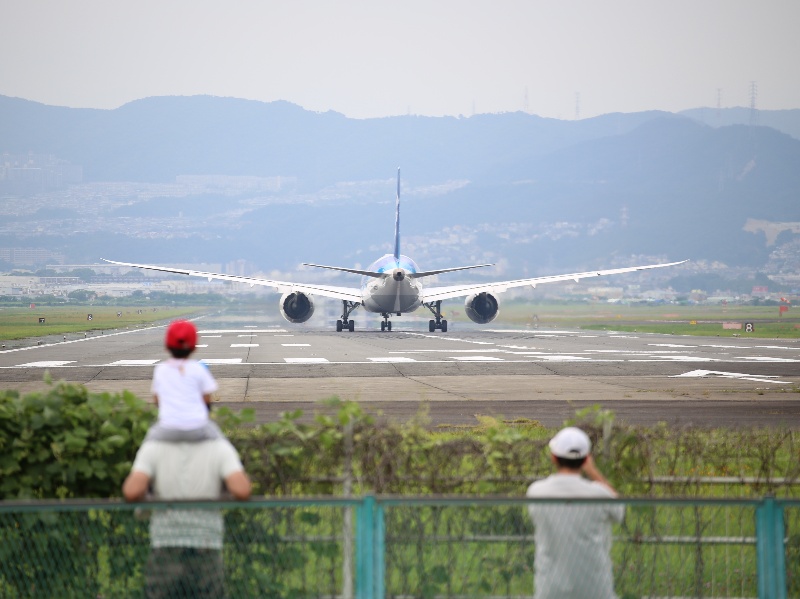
<point>341,293</point>
<point>433,294</point>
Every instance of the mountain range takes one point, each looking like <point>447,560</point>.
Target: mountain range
<point>274,184</point>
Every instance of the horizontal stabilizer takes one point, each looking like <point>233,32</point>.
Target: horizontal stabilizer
<point>366,273</point>
<point>428,273</point>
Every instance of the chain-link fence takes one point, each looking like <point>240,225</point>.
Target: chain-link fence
<point>401,547</point>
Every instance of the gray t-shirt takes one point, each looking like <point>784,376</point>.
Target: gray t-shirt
<point>188,470</point>
<point>573,541</point>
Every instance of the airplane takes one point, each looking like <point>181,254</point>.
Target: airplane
<point>392,285</point>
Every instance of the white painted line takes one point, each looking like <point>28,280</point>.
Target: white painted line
<point>477,358</point>
<point>391,359</point>
<point>244,344</point>
<point>205,345</point>
<point>563,358</point>
<point>729,375</point>
<point>670,345</point>
<point>774,347</point>
<point>296,344</point>
<point>306,360</point>
<point>442,338</point>
<point>133,363</point>
<point>283,335</point>
<point>766,359</point>
<point>47,364</point>
<point>222,360</point>
<point>211,336</point>
<point>214,331</point>
<point>251,326</point>
<point>248,335</point>
<point>675,359</point>
<point>445,351</point>
<point>94,337</point>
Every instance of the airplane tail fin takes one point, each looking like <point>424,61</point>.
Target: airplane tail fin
<point>397,221</point>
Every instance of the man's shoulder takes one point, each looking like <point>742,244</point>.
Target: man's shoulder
<point>561,485</point>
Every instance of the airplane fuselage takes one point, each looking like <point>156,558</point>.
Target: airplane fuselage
<point>393,294</point>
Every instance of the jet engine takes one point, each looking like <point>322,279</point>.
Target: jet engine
<point>296,307</point>
<point>481,307</point>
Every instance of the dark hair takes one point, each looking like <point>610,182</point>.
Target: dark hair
<point>571,463</point>
<point>180,352</point>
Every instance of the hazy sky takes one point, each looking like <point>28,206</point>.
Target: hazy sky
<point>368,58</point>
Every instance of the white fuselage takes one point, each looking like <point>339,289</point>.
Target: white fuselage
<point>396,293</point>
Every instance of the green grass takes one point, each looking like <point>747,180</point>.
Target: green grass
<point>667,319</point>
<point>22,323</point>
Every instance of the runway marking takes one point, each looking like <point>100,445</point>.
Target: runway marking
<point>774,347</point>
<point>244,344</point>
<point>563,358</point>
<point>101,335</point>
<point>283,335</point>
<point>766,359</point>
<point>730,375</point>
<point>308,361</point>
<point>670,345</point>
<point>47,364</point>
<point>211,336</point>
<point>392,359</point>
<point>205,345</point>
<point>441,338</point>
<point>133,363</point>
<point>224,331</point>
<point>296,344</point>
<point>249,335</point>
<point>517,347</point>
<point>676,359</point>
<point>221,360</point>
<point>477,358</point>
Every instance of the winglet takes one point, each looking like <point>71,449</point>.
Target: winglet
<point>397,221</point>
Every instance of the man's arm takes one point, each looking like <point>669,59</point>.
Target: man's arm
<point>591,471</point>
<point>238,485</point>
<point>135,486</point>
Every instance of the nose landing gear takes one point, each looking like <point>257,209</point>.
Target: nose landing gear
<point>386,325</point>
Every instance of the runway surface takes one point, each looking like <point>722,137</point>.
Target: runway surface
<point>543,374</point>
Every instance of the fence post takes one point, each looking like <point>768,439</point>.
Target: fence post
<point>770,550</point>
<point>380,552</point>
<point>365,544</point>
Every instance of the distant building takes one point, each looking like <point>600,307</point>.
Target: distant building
<point>27,174</point>
<point>29,256</point>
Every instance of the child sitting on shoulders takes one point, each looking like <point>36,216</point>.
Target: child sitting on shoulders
<point>182,390</point>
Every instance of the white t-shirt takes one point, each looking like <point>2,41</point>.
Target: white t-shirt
<point>188,470</point>
<point>573,541</point>
<point>180,386</point>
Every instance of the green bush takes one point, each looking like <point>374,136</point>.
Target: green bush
<point>67,442</point>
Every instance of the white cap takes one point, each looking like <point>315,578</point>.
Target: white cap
<point>571,443</point>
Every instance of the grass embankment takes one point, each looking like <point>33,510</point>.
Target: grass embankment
<point>667,319</point>
<point>23,323</point>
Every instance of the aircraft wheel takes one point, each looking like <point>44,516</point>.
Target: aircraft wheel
<point>444,326</point>
<point>351,326</point>
<point>432,326</point>
<point>338,326</point>
<point>389,326</point>
<point>383,326</point>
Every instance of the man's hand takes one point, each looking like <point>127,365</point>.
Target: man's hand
<point>590,470</point>
<point>238,485</point>
<point>135,486</point>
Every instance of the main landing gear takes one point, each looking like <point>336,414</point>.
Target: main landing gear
<point>439,322</point>
<point>345,322</point>
<point>386,325</point>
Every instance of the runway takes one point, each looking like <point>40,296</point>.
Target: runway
<point>542,374</point>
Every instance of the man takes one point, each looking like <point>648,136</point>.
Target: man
<point>186,545</point>
<point>573,542</point>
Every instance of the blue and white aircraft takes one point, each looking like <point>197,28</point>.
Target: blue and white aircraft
<point>392,285</point>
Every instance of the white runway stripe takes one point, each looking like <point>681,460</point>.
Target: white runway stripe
<point>47,364</point>
<point>133,363</point>
<point>222,360</point>
<point>306,360</point>
<point>296,344</point>
<point>244,344</point>
<point>477,358</point>
<point>392,359</point>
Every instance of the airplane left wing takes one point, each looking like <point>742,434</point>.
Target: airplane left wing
<point>433,294</point>
<point>341,293</point>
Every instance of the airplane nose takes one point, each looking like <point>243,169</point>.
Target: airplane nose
<point>398,274</point>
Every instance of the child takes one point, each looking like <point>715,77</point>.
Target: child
<point>182,391</point>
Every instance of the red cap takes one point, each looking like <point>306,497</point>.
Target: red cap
<point>181,334</point>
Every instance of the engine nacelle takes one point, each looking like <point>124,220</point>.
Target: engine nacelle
<point>296,307</point>
<point>481,307</point>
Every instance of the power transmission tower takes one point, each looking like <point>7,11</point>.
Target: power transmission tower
<point>753,97</point>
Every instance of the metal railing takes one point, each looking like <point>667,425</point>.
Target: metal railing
<point>384,546</point>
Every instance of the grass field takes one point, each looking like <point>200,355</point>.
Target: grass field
<point>668,319</point>
<point>23,323</point>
